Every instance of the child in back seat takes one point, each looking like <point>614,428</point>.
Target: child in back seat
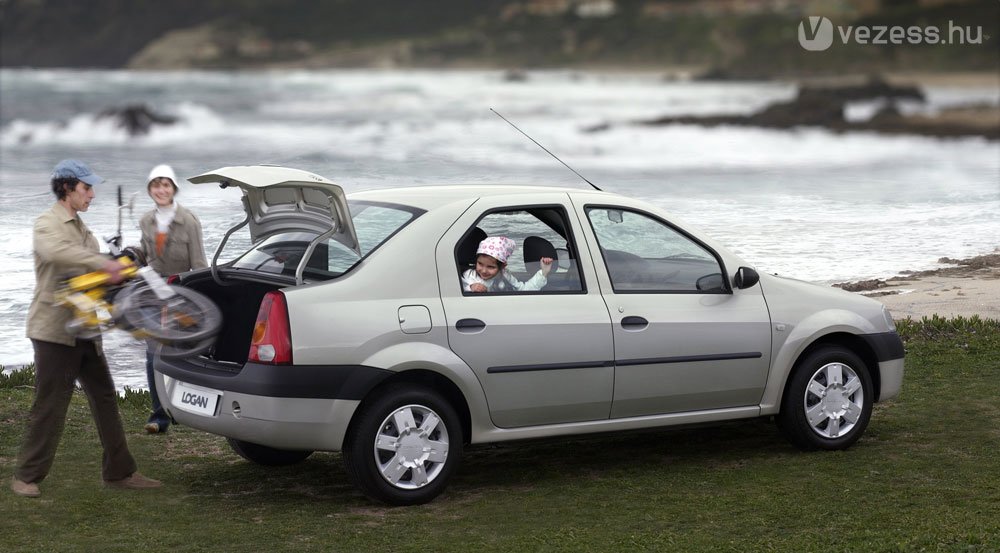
<point>491,274</point>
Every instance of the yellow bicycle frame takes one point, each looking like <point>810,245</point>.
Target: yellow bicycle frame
<point>85,295</point>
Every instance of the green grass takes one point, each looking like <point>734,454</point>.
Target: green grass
<point>925,477</point>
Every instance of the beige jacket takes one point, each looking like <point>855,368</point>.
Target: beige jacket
<point>63,247</point>
<point>183,250</point>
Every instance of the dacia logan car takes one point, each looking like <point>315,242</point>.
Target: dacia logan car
<point>347,328</point>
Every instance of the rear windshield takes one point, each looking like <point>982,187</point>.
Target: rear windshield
<point>374,223</point>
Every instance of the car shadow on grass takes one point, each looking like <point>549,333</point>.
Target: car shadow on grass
<point>551,462</point>
<point>521,463</point>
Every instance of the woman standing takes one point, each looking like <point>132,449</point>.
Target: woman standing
<point>172,242</point>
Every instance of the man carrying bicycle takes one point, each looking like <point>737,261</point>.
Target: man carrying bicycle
<point>63,244</point>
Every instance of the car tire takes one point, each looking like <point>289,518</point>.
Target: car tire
<point>404,445</point>
<point>264,455</point>
<point>828,401</point>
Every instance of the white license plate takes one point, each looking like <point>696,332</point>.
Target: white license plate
<point>195,399</point>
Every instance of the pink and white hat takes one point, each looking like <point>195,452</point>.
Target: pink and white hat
<point>497,247</point>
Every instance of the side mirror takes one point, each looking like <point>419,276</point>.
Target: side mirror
<point>745,278</point>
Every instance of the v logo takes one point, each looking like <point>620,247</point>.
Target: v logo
<point>814,23</point>
<point>817,35</point>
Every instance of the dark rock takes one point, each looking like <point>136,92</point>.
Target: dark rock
<point>515,76</point>
<point>979,262</point>
<point>874,88</point>
<point>811,109</point>
<point>136,119</point>
<point>824,107</point>
<point>862,286</point>
<point>886,112</point>
<point>714,74</point>
<point>597,128</point>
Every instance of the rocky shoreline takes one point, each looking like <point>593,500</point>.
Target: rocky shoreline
<point>985,266</point>
<point>826,106</point>
<point>967,287</point>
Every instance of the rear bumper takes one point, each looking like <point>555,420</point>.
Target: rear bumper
<point>290,381</point>
<point>311,424</point>
<point>285,407</point>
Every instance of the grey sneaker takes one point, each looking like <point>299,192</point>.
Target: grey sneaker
<point>24,489</point>
<point>135,481</point>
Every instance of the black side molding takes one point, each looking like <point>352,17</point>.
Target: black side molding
<point>625,362</point>
<point>886,345</point>
<point>690,358</point>
<point>298,381</point>
<point>550,367</point>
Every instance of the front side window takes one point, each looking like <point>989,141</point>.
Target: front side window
<point>281,253</point>
<point>643,254</point>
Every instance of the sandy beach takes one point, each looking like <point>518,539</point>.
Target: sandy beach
<point>963,287</point>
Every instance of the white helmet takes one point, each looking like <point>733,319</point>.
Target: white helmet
<point>164,171</point>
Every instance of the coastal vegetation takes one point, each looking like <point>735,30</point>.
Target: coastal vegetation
<point>921,479</point>
<point>719,39</point>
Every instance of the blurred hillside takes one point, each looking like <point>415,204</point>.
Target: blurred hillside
<point>720,38</point>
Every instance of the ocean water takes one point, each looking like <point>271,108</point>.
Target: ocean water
<point>806,203</point>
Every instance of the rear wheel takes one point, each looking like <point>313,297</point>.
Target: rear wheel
<point>404,446</point>
<point>828,402</point>
<point>263,455</point>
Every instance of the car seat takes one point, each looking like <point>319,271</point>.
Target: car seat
<point>535,248</point>
<point>466,251</point>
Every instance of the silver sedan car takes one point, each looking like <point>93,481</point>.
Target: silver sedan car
<point>349,325</point>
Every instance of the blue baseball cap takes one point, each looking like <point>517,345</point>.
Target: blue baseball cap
<point>74,169</point>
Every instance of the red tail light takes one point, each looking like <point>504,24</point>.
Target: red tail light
<point>271,342</point>
<point>173,279</point>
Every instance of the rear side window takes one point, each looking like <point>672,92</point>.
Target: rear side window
<point>538,232</point>
<point>281,253</point>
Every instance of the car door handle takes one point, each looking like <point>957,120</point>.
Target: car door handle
<point>634,323</point>
<point>469,325</point>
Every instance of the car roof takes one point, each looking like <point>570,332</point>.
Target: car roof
<point>434,196</point>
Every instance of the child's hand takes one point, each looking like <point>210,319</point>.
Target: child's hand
<point>477,287</point>
<point>546,265</point>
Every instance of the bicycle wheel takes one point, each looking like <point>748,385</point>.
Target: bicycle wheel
<point>186,317</point>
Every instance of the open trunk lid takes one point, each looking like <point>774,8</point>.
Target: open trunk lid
<point>280,199</point>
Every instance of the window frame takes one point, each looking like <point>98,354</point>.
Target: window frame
<point>727,288</point>
<point>571,246</point>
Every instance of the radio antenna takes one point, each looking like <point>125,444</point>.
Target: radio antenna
<point>546,149</point>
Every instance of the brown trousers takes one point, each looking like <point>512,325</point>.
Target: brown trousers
<point>56,368</point>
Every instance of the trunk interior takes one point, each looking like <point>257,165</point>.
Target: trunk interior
<point>239,302</point>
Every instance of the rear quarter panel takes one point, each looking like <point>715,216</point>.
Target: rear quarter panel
<point>355,320</point>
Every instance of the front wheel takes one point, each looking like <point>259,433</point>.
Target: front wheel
<point>404,446</point>
<point>828,402</point>
<point>264,455</point>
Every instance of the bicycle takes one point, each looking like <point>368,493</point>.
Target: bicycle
<point>184,322</point>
